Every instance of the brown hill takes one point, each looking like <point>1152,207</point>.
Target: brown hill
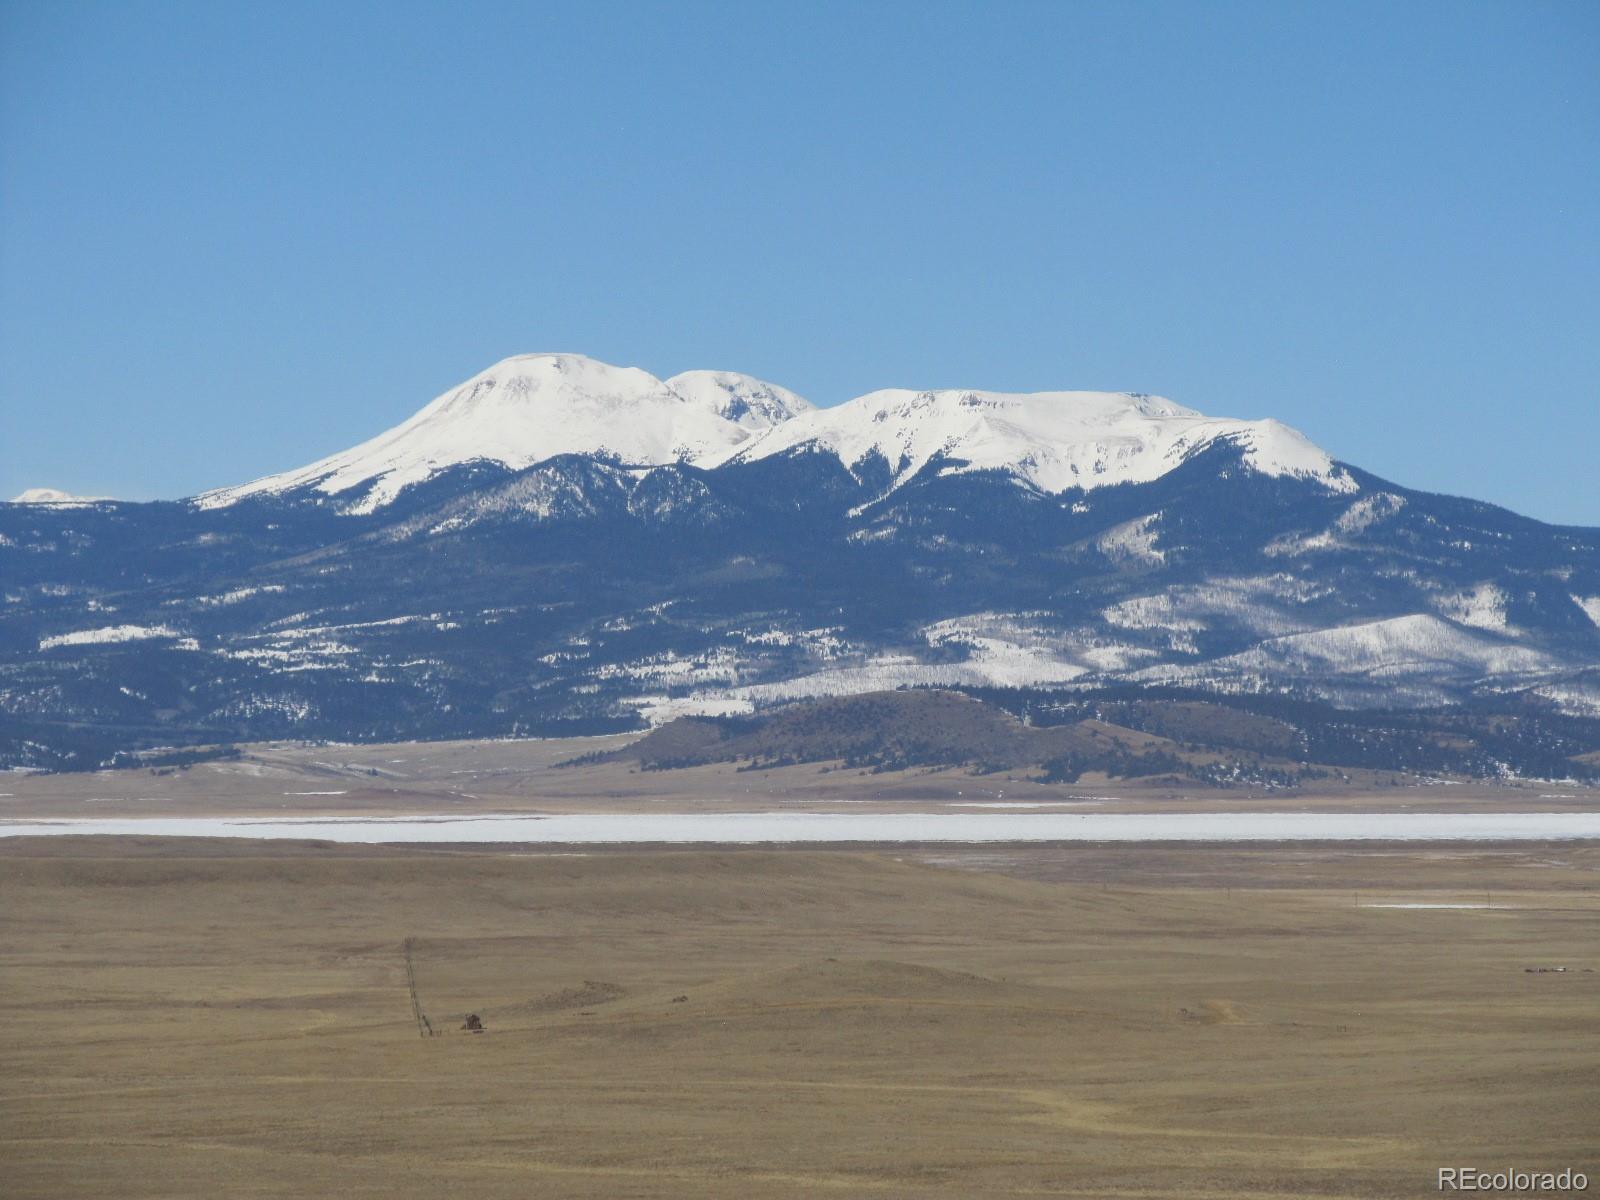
<point>1223,741</point>
<point>895,730</point>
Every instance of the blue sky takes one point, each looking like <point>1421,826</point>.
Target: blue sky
<point>235,237</point>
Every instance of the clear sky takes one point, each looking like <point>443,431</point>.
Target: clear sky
<point>235,237</point>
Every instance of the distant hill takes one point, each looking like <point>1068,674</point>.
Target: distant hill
<point>1181,739</point>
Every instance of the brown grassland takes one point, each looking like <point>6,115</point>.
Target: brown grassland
<point>532,776</point>
<point>214,1019</point>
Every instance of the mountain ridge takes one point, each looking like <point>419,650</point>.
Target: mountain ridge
<point>533,407</point>
<point>585,592</point>
<point>1171,738</point>
<point>530,407</point>
<point>1053,441</point>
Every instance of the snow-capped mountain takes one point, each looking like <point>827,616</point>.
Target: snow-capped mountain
<point>532,407</point>
<point>46,495</point>
<point>561,545</point>
<point>751,404</point>
<point>1052,441</point>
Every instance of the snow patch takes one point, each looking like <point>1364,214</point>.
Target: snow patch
<point>1359,517</point>
<point>1577,698</point>
<point>235,596</point>
<point>108,634</point>
<point>747,827</point>
<point>1417,645</point>
<point>1482,606</point>
<point>1132,541</point>
<point>1263,605</point>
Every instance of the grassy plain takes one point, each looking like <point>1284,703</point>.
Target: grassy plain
<point>287,779</point>
<point>198,1018</point>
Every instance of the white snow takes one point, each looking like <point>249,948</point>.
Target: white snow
<point>1263,604</point>
<point>44,495</point>
<point>526,409</point>
<point>1420,644</point>
<point>110,633</point>
<point>1052,441</point>
<point>1482,606</point>
<point>1162,611</point>
<point>990,662</point>
<point>1590,606</point>
<point>233,597</point>
<point>1029,649</point>
<point>1578,698</point>
<point>1369,511</point>
<point>1366,512</point>
<point>1024,803</point>
<point>1000,650</point>
<point>743,827</point>
<point>1132,541</point>
<point>751,404</point>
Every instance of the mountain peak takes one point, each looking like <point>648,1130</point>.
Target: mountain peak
<point>530,407</point>
<point>1054,441</point>
<point>45,495</point>
<point>750,403</point>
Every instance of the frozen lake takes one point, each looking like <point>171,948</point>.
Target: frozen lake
<point>857,827</point>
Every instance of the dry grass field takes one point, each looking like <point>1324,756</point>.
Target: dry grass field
<point>230,1019</point>
<point>283,780</point>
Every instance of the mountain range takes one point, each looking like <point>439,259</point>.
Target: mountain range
<point>560,545</point>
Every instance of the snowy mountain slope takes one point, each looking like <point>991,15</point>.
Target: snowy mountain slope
<point>44,495</point>
<point>1053,441</point>
<point>566,489</point>
<point>578,545</point>
<point>533,407</point>
<point>1410,659</point>
<point>752,404</point>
